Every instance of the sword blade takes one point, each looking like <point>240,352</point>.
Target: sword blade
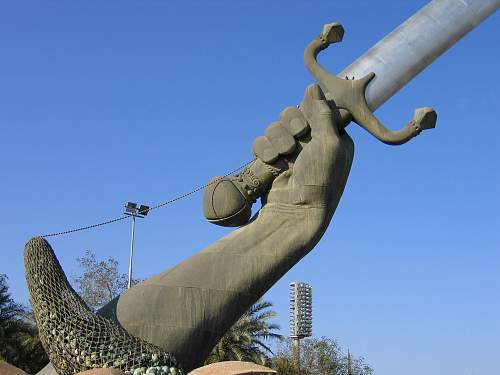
<point>415,44</point>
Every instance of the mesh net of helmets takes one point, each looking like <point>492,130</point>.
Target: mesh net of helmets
<point>75,338</point>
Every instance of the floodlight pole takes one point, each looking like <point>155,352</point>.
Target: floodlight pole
<point>131,253</point>
<point>131,209</point>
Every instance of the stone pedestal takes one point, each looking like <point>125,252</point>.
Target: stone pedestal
<point>232,368</point>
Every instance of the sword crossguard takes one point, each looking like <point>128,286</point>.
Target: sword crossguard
<point>349,94</point>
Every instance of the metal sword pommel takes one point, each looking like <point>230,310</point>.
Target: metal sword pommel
<point>349,94</point>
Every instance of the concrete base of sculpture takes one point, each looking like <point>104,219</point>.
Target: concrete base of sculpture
<point>232,368</point>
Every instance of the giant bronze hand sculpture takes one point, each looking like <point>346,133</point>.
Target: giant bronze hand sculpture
<point>300,170</point>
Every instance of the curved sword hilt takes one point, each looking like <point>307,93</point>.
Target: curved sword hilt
<point>350,94</point>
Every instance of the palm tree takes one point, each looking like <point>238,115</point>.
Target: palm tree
<point>19,341</point>
<point>245,340</point>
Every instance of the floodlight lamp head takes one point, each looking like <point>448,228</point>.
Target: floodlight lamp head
<point>143,210</point>
<point>131,208</point>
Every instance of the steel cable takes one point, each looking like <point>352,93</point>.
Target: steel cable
<point>163,204</point>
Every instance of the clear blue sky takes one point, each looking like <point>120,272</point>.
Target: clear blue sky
<point>104,102</point>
